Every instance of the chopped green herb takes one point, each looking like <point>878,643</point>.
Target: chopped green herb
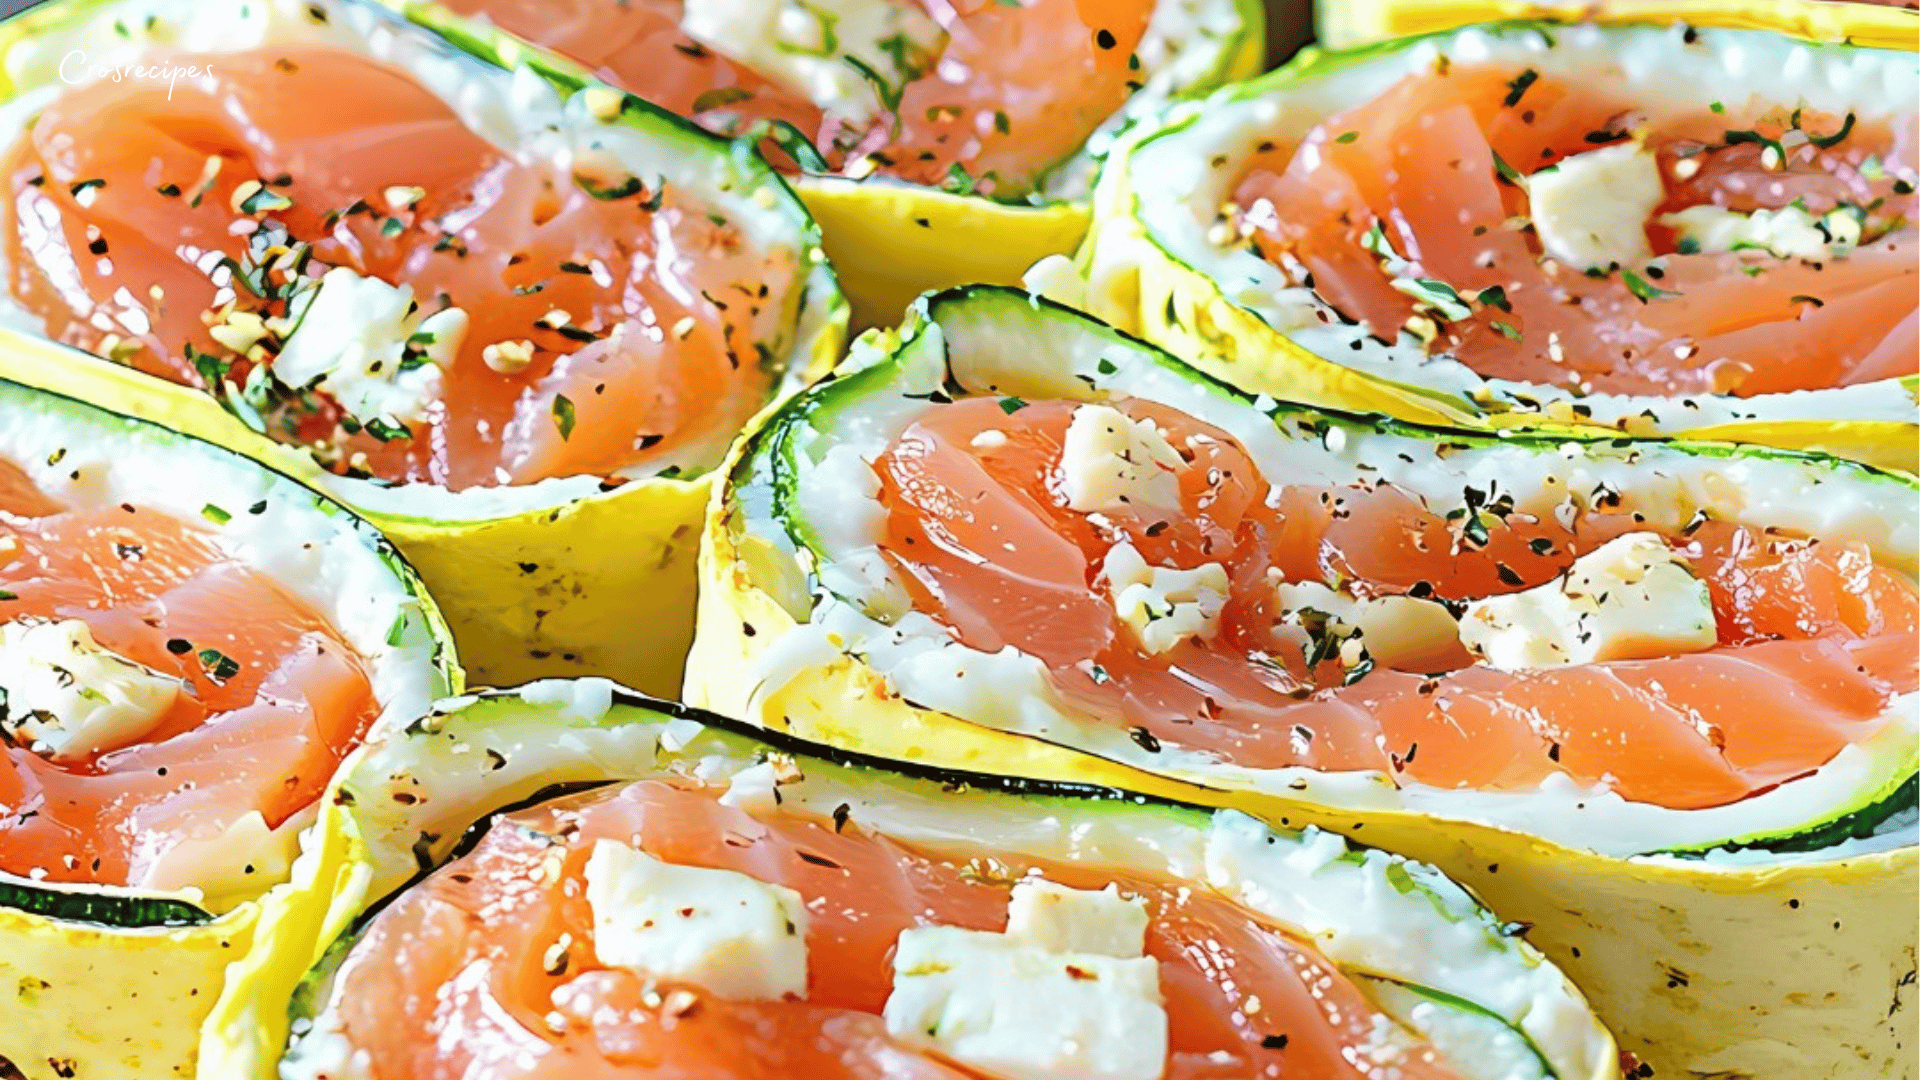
<point>958,180</point>
<point>1495,296</point>
<point>1506,330</point>
<point>629,187</point>
<point>266,200</point>
<point>215,514</point>
<point>1346,137</point>
<point>1827,142</point>
<point>1506,172</point>
<point>1643,290</point>
<point>220,667</point>
<point>1011,405</point>
<point>1517,88</point>
<point>563,416</point>
<point>380,429</point>
<point>719,97</point>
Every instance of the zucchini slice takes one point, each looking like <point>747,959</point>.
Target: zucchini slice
<point>589,566</point>
<point>1430,958</point>
<point>816,619</point>
<point>1201,246</point>
<point>892,229</point>
<point>115,968</point>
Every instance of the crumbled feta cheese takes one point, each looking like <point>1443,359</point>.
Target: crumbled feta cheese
<point>68,697</point>
<point>1631,598</point>
<point>836,53</point>
<point>735,936</point>
<point>351,342</point>
<point>1399,631</point>
<point>971,994</point>
<point>1110,462</point>
<point>1591,209</point>
<point>1787,233</point>
<point>1060,919</point>
<point>1164,606</point>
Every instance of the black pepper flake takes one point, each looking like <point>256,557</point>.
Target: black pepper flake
<point>1145,739</point>
<point>840,815</point>
<point>1273,1042</point>
<point>1105,39</point>
<point>1507,575</point>
<point>179,646</point>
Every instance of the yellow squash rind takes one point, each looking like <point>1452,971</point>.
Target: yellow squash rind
<point>1343,24</point>
<point>86,1002</point>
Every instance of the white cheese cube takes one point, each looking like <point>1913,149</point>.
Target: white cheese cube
<point>1631,598</point>
<point>733,935</point>
<point>1059,919</point>
<point>832,52</point>
<point>1591,209</point>
<point>1164,606</point>
<point>350,340</point>
<point>1110,462</point>
<point>1403,632</point>
<point>1787,233</point>
<point>70,698</point>
<point>1021,1012</point>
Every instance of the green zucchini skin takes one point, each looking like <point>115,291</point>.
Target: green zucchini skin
<point>768,456</point>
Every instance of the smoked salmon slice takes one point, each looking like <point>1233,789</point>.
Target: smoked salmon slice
<point>181,670</point>
<point>517,957</point>
<point>483,314</point>
<point>1431,181</point>
<point>985,97</point>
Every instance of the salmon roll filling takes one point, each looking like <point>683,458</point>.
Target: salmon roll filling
<point>189,647</point>
<point>425,269</point>
<point>1658,229</point>
<point>742,914</point>
<point>978,97</point>
<point>1630,647</point>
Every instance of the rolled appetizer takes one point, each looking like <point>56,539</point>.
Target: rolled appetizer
<point>669,896</point>
<point>1656,699</point>
<point>190,644</point>
<point>944,141</point>
<point>1342,24</point>
<point>1655,229</point>
<point>511,314</point>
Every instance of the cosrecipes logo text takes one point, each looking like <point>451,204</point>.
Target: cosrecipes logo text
<point>74,70</point>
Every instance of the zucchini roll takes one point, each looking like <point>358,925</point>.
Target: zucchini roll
<point>509,313</point>
<point>190,645</point>
<point>1656,699</point>
<point>661,893</point>
<point>1658,229</point>
<point>941,142</point>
